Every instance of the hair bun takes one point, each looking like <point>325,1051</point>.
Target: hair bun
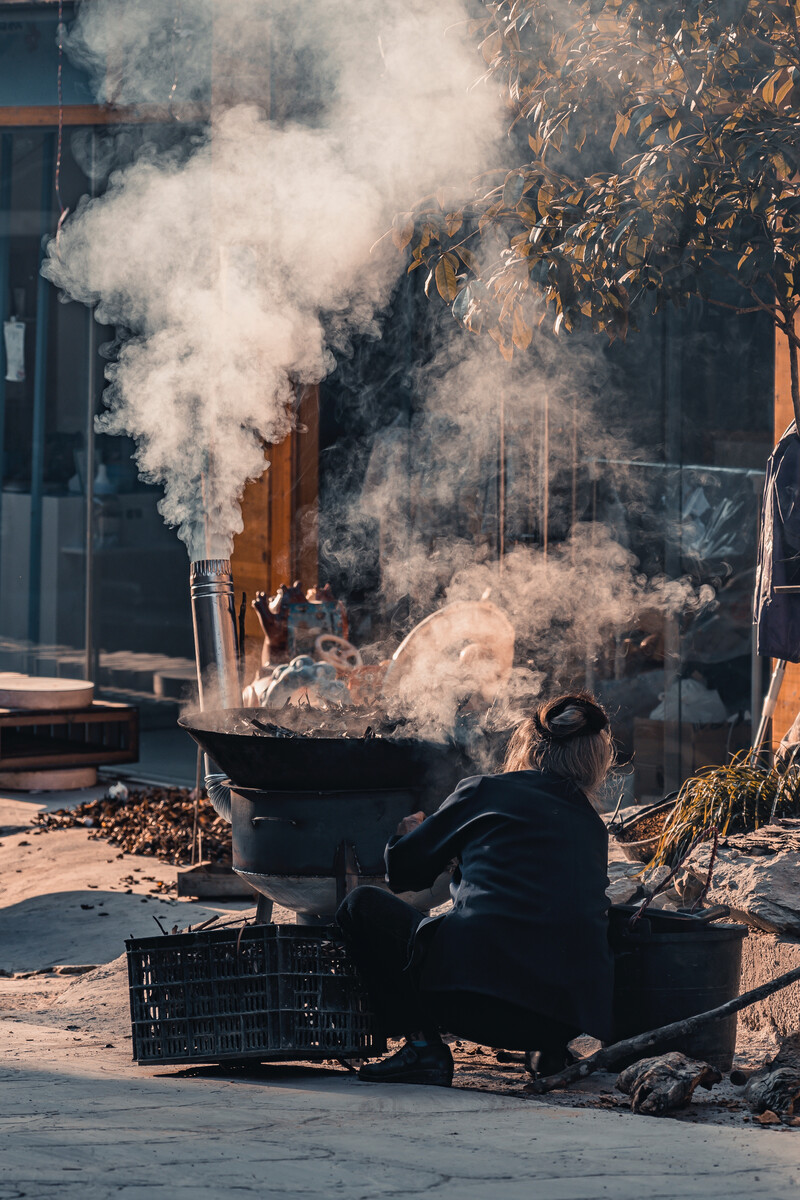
<point>570,716</point>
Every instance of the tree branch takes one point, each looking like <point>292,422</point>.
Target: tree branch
<point>645,1043</point>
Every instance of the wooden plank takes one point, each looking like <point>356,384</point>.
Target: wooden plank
<point>281,481</point>
<point>209,881</point>
<point>92,755</point>
<point>278,543</point>
<point>99,713</point>
<point>306,489</point>
<point>121,723</point>
<point>250,563</point>
<point>788,704</point>
<point>46,115</point>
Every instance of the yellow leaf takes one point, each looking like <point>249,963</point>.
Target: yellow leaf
<point>453,222</point>
<point>783,90</point>
<point>635,251</point>
<point>544,198</point>
<point>468,258</point>
<point>623,125</point>
<point>402,229</point>
<point>521,332</point>
<point>491,46</point>
<point>445,275</point>
<point>674,128</point>
<point>506,348</point>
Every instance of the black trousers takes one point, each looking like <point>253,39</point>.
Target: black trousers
<point>378,928</point>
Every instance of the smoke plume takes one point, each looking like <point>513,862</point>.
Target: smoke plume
<point>235,266</point>
<point>244,261</point>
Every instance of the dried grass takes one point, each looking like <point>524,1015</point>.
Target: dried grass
<point>737,798</point>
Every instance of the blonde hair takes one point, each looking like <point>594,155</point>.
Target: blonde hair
<point>568,736</point>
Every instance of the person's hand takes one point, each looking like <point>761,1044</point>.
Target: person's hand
<point>410,823</point>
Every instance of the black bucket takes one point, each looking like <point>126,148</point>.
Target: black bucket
<point>298,833</point>
<point>664,974</point>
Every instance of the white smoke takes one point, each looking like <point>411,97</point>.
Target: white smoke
<point>529,450</point>
<point>238,267</point>
<point>242,262</point>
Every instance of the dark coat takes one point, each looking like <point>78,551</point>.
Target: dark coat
<point>529,919</point>
<point>778,615</point>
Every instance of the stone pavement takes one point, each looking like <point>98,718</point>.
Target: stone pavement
<point>79,1121</point>
<point>76,1125</point>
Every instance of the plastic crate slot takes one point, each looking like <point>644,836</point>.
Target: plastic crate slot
<point>269,991</point>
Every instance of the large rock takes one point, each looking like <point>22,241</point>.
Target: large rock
<point>765,957</point>
<point>756,874</point>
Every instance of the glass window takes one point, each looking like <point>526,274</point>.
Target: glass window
<point>658,444</point>
<point>92,583</point>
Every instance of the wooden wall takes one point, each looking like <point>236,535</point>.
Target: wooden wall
<point>279,541</point>
<point>789,700</point>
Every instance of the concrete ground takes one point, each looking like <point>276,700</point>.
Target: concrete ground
<point>79,1118</point>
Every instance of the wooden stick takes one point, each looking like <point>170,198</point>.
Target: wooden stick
<point>645,1043</point>
<point>196,810</point>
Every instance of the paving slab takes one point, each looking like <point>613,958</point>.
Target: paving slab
<point>80,1121</point>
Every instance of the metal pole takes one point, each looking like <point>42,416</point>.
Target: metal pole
<point>673,488</point>
<point>6,148</point>
<point>501,495</point>
<point>770,701</point>
<point>40,397</point>
<point>89,491</point>
<point>88,483</point>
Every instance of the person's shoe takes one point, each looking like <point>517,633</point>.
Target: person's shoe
<point>541,1063</point>
<point>432,1064</point>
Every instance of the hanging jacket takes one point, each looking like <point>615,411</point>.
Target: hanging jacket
<point>777,615</point>
<point>529,918</point>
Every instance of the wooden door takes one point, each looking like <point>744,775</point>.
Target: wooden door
<point>788,704</point>
<point>279,541</point>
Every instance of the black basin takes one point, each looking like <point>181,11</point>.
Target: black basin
<point>298,833</point>
<point>253,759</point>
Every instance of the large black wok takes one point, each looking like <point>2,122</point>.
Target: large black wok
<point>254,759</point>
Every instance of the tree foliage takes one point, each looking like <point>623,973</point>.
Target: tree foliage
<point>658,144</point>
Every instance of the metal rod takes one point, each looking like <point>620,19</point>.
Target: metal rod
<point>88,626</point>
<point>501,515</point>
<point>40,398</point>
<point>546,477</point>
<point>770,701</point>
<point>88,483</point>
<point>6,162</point>
<point>196,808</point>
<point>673,486</point>
<point>574,490</point>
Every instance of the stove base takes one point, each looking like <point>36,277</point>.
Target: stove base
<point>313,897</point>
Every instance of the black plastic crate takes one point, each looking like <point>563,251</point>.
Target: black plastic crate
<point>270,992</point>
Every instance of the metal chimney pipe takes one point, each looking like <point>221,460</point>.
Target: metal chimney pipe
<point>216,642</point>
